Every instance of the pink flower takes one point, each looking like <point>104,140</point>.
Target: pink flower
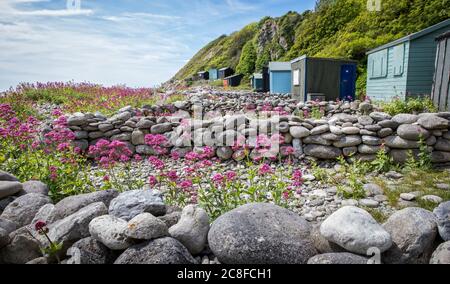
<point>40,225</point>
<point>186,184</point>
<point>265,169</point>
<point>172,175</point>
<point>286,195</point>
<point>230,175</point>
<point>138,158</point>
<point>152,180</point>
<point>106,178</point>
<point>192,156</point>
<point>175,155</point>
<point>157,163</point>
<point>297,178</point>
<point>218,178</point>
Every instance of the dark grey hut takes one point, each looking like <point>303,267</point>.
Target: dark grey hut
<point>203,75</point>
<point>440,93</point>
<point>225,72</point>
<point>232,81</point>
<point>327,78</point>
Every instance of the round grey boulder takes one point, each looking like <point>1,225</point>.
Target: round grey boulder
<point>159,251</point>
<point>224,153</point>
<point>110,231</point>
<point>433,122</point>
<point>355,230</point>
<point>192,229</point>
<point>22,210</point>
<point>129,204</point>
<point>405,118</point>
<point>338,258</point>
<point>260,233</point>
<point>89,251</point>
<point>442,213</point>
<point>299,132</point>
<point>145,226</point>
<point>413,232</point>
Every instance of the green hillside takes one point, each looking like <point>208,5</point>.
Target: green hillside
<point>336,28</point>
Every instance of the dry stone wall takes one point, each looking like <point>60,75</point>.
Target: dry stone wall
<point>349,129</point>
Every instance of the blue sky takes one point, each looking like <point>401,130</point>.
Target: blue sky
<point>133,42</point>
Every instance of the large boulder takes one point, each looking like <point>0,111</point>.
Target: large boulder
<point>8,188</point>
<point>132,203</point>
<point>412,132</point>
<point>441,255</point>
<point>400,143</point>
<point>74,227</point>
<point>192,229</point>
<point>338,258</point>
<point>355,230</point>
<point>322,152</point>
<point>145,226</point>
<point>405,118</point>
<point>110,231</point>
<point>72,204</point>
<point>89,251</point>
<point>260,233</point>
<point>442,213</point>
<point>413,232</point>
<point>433,122</point>
<point>159,251</point>
<point>22,210</point>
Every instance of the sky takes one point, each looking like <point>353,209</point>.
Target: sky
<point>140,43</point>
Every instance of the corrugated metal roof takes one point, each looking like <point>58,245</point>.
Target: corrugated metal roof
<point>279,66</point>
<point>225,68</point>
<point>412,36</point>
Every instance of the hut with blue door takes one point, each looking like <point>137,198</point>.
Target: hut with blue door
<point>405,67</point>
<point>280,77</point>
<point>323,78</point>
<point>213,74</point>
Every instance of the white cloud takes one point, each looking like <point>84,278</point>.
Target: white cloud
<point>55,13</point>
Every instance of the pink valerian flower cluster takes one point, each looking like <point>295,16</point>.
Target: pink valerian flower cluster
<point>22,133</point>
<point>156,163</point>
<point>157,142</point>
<point>297,181</point>
<point>200,154</point>
<point>108,153</point>
<point>265,169</point>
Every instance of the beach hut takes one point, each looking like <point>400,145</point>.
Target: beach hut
<point>280,77</point>
<point>256,82</point>
<point>213,74</point>
<point>203,75</point>
<point>440,93</point>
<point>232,81</point>
<point>405,67</point>
<point>225,72</point>
<point>323,78</point>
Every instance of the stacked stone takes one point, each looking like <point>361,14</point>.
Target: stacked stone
<point>348,129</point>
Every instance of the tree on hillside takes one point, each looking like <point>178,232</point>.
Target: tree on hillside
<point>247,61</point>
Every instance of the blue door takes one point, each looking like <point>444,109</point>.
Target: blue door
<point>348,82</point>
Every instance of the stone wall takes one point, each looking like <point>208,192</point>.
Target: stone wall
<point>349,129</point>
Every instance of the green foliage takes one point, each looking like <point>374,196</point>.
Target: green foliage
<point>247,62</point>
<point>413,105</point>
<point>383,162</point>
<point>423,160</point>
